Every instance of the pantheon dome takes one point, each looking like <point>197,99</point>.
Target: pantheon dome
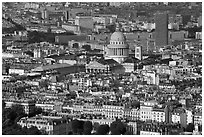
<point>117,36</point>
<point>117,49</point>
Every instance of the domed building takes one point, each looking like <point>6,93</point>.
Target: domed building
<point>117,49</point>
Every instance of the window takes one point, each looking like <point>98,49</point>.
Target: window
<point>170,36</point>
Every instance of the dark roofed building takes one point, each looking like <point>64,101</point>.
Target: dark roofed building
<point>63,56</point>
<point>64,39</point>
<point>131,60</point>
<point>62,68</point>
<point>102,65</point>
<point>131,64</point>
<point>166,61</point>
<point>109,62</point>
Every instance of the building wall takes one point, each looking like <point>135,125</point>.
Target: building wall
<point>16,71</point>
<point>149,133</point>
<point>71,62</point>
<point>132,126</point>
<point>27,106</point>
<point>177,35</point>
<point>73,28</point>
<point>197,119</point>
<point>138,52</point>
<point>161,31</point>
<point>101,20</point>
<point>158,116</point>
<point>85,22</point>
<point>112,112</point>
<point>200,21</point>
<point>175,118</point>
<point>198,35</point>
<point>129,67</point>
<point>45,107</point>
<point>145,113</point>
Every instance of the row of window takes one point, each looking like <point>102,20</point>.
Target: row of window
<point>116,42</point>
<point>118,52</point>
<point>145,117</point>
<point>158,116</point>
<point>113,107</point>
<point>158,113</point>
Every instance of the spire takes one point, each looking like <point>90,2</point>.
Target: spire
<point>117,27</point>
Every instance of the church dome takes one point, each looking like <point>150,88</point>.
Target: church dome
<point>117,36</point>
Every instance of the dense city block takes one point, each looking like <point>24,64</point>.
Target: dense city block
<point>102,68</point>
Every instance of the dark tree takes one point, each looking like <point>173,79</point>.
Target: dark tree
<point>103,130</point>
<point>111,28</point>
<point>190,127</point>
<point>81,127</point>
<point>33,131</point>
<point>30,53</point>
<point>117,128</point>
<point>75,125</point>
<point>135,104</point>
<point>75,45</point>
<point>88,127</point>
<point>15,113</point>
<point>95,126</point>
<point>87,47</point>
<point>128,133</point>
<point>37,111</point>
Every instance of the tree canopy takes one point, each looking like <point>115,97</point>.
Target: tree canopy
<point>118,128</point>
<point>10,117</point>
<point>103,129</point>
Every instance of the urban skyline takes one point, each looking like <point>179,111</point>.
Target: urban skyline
<point>102,68</point>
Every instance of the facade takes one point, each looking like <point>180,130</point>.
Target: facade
<point>158,115</point>
<point>46,107</point>
<point>200,21</point>
<point>198,35</point>
<point>179,116</point>
<point>132,127</point>
<point>161,31</point>
<point>150,129</point>
<point>189,118</point>
<point>84,21</point>
<point>19,71</point>
<point>151,77</point>
<point>132,114</point>
<point>95,66</point>
<point>118,49</point>
<point>73,28</point>
<point>177,36</point>
<point>45,14</point>
<point>37,53</point>
<point>130,64</point>
<point>138,52</point>
<point>145,112</point>
<point>113,111</point>
<point>51,125</point>
<point>197,118</point>
<point>28,105</point>
<point>150,132</point>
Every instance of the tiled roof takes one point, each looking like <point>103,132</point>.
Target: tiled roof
<point>131,60</point>
<point>49,67</point>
